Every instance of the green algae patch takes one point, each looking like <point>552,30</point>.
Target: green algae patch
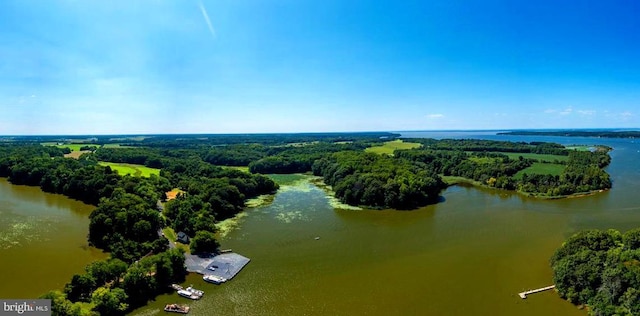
<point>337,204</point>
<point>290,216</point>
<point>294,182</point>
<point>21,233</point>
<point>259,201</point>
<point>331,196</point>
<point>228,225</point>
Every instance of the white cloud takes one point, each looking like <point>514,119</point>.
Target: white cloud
<point>435,116</point>
<point>569,111</point>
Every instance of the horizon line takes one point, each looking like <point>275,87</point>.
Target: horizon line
<point>331,132</point>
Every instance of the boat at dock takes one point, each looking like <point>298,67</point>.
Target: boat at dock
<point>191,293</point>
<point>214,279</point>
<point>197,292</point>
<point>176,308</point>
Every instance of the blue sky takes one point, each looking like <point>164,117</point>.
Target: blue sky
<point>189,66</point>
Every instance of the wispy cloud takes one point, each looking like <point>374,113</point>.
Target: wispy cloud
<point>566,111</point>
<point>569,111</point>
<point>206,18</point>
<point>435,116</point>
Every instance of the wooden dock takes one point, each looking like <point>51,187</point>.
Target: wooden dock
<point>523,295</point>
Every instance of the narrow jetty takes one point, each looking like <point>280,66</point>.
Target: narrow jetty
<point>523,295</point>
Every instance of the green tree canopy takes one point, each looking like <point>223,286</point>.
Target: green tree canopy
<point>204,242</point>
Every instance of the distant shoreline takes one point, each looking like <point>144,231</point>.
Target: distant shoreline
<point>575,133</point>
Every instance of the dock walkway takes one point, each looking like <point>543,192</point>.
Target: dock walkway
<point>523,295</point>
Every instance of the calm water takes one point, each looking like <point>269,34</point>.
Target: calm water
<point>43,240</point>
<point>469,255</point>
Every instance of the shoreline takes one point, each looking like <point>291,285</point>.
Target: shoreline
<point>454,180</point>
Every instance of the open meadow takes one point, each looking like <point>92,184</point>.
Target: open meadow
<point>131,169</point>
<point>388,147</point>
<point>541,168</point>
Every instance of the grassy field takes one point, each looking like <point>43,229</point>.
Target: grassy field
<point>115,146</point>
<point>241,168</point>
<point>76,154</point>
<point>539,157</point>
<point>388,147</point>
<point>579,148</point>
<point>171,235</point>
<point>453,180</point>
<point>134,170</point>
<point>541,168</point>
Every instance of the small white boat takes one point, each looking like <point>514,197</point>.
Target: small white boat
<point>191,293</point>
<point>214,279</point>
<point>194,291</point>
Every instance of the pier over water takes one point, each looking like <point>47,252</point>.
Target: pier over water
<point>523,295</point>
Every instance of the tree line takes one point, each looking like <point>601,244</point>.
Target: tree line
<point>482,145</point>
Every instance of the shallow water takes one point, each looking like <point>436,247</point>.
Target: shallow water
<point>43,240</point>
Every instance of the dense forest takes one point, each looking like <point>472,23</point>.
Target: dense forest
<point>360,178</point>
<point>600,269</point>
